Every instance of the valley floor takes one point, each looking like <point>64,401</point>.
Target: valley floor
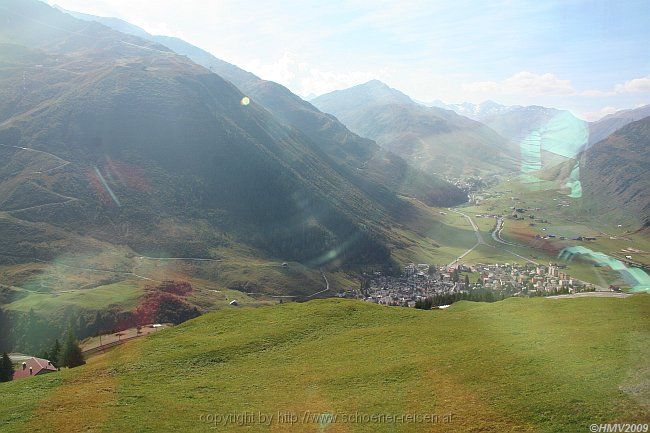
<point>552,223</point>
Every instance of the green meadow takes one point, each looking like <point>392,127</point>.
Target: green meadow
<point>519,365</point>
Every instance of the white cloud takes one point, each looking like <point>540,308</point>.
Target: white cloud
<point>526,83</point>
<point>635,85</point>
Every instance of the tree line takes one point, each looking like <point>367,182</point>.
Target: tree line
<point>476,295</point>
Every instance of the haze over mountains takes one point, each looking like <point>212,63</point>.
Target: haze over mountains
<point>544,136</point>
<point>473,111</point>
<point>514,121</point>
<point>535,137</point>
<point>612,153</point>
<point>435,139</point>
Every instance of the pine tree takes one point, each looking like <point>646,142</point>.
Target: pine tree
<point>55,353</point>
<point>71,356</point>
<point>6,369</point>
<point>466,281</point>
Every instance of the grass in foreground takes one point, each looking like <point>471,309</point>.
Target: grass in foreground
<point>537,365</point>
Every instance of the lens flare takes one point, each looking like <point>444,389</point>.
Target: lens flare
<point>107,187</point>
<point>573,183</point>
<point>637,278</point>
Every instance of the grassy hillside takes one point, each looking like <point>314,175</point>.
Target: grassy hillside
<point>537,365</point>
<point>614,174</point>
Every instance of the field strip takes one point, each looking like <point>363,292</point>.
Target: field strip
<point>522,257</point>
<point>480,241</point>
<point>463,255</point>
<point>327,284</point>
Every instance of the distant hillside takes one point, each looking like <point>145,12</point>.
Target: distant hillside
<point>606,126</point>
<point>615,176</point>
<point>434,139</point>
<point>542,136</point>
<point>371,168</point>
<point>536,365</point>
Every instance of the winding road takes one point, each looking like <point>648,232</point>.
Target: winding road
<point>196,259</point>
<point>63,163</point>
<point>496,235</point>
<point>327,286</point>
<point>107,271</point>
<point>479,238</point>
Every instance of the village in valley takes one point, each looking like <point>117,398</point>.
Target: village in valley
<point>446,284</point>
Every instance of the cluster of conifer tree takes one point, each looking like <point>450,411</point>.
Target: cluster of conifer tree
<point>67,355</point>
<point>477,295</point>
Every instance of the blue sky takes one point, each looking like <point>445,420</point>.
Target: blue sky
<point>591,57</point>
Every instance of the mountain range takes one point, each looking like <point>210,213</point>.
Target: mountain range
<point>515,122</point>
<point>544,136</point>
<point>539,137</point>
<point>608,156</point>
<point>435,139</point>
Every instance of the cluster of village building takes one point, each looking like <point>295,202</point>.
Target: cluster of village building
<point>421,281</point>
<point>529,278</point>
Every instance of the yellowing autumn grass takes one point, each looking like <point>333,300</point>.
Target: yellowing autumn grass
<point>538,365</point>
